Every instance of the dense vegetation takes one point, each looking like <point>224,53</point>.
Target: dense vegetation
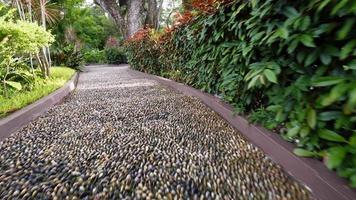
<point>289,65</point>
<point>19,41</point>
<point>82,35</point>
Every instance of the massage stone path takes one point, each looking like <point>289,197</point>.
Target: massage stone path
<point>123,136</point>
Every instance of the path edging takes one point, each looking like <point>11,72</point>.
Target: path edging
<point>20,118</point>
<point>324,184</point>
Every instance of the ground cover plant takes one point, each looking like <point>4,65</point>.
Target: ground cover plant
<point>40,87</point>
<point>289,65</point>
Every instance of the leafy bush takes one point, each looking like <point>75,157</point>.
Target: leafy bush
<point>292,62</point>
<point>115,55</point>
<point>95,56</point>
<point>68,56</point>
<point>18,39</point>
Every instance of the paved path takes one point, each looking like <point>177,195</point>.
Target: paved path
<point>121,136</point>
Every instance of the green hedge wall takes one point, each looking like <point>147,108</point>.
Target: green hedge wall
<point>289,65</point>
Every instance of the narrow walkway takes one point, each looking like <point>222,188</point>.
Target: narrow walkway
<point>121,136</point>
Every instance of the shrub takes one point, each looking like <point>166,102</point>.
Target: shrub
<point>292,62</point>
<point>69,57</point>
<point>115,55</point>
<point>94,56</point>
<point>18,39</point>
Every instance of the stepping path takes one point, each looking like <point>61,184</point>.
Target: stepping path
<point>123,136</point>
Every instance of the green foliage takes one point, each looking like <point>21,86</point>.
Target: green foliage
<point>87,27</point>
<point>69,57</point>
<point>263,117</point>
<point>94,56</point>
<point>293,60</point>
<point>115,55</point>
<point>40,87</point>
<point>18,39</point>
<point>21,37</point>
<point>17,76</point>
<point>304,153</point>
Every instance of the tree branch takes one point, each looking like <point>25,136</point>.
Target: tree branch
<point>111,7</point>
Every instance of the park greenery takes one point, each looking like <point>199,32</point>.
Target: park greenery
<point>288,65</point>
<point>36,35</point>
<point>39,88</point>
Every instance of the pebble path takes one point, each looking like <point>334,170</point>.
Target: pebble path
<point>122,136</point>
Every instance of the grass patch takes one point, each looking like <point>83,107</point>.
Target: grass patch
<point>42,87</point>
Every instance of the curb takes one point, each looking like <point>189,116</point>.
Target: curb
<point>20,118</point>
<point>324,184</point>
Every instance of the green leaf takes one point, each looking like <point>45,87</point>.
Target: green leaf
<point>345,29</point>
<point>293,131</point>
<point>280,116</point>
<point>339,6</point>
<point>305,23</point>
<point>282,32</point>
<point>353,180</point>
<point>352,99</point>
<point>252,83</point>
<point>304,132</point>
<point>300,56</point>
<point>304,153</point>
<point>251,74</point>
<point>329,115</point>
<point>327,81</point>
<point>257,36</point>
<point>351,65</point>
<point>307,40</point>
<point>336,93</point>
<point>330,136</point>
<point>311,118</point>
<point>274,108</point>
<point>347,49</point>
<point>352,141</point>
<point>335,156</point>
<point>15,85</point>
<point>325,58</point>
<point>271,76</point>
<point>293,45</point>
<point>311,58</point>
<point>290,12</point>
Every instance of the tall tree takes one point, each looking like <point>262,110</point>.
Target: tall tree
<point>131,15</point>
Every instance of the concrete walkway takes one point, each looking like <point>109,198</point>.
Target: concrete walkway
<point>122,136</point>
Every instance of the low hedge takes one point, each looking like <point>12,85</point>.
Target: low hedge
<point>115,55</point>
<point>289,65</point>
<point>94,56</point>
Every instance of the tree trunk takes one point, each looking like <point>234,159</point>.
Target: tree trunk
<point>111,7</point>
<point>134,17</point>
<point>152,13</point>
<point>130,15</point>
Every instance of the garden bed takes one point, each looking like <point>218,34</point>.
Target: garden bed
<point>41,88</point>
<point>18,119</point>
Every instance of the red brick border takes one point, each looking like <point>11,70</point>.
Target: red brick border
<point>18,119</point>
